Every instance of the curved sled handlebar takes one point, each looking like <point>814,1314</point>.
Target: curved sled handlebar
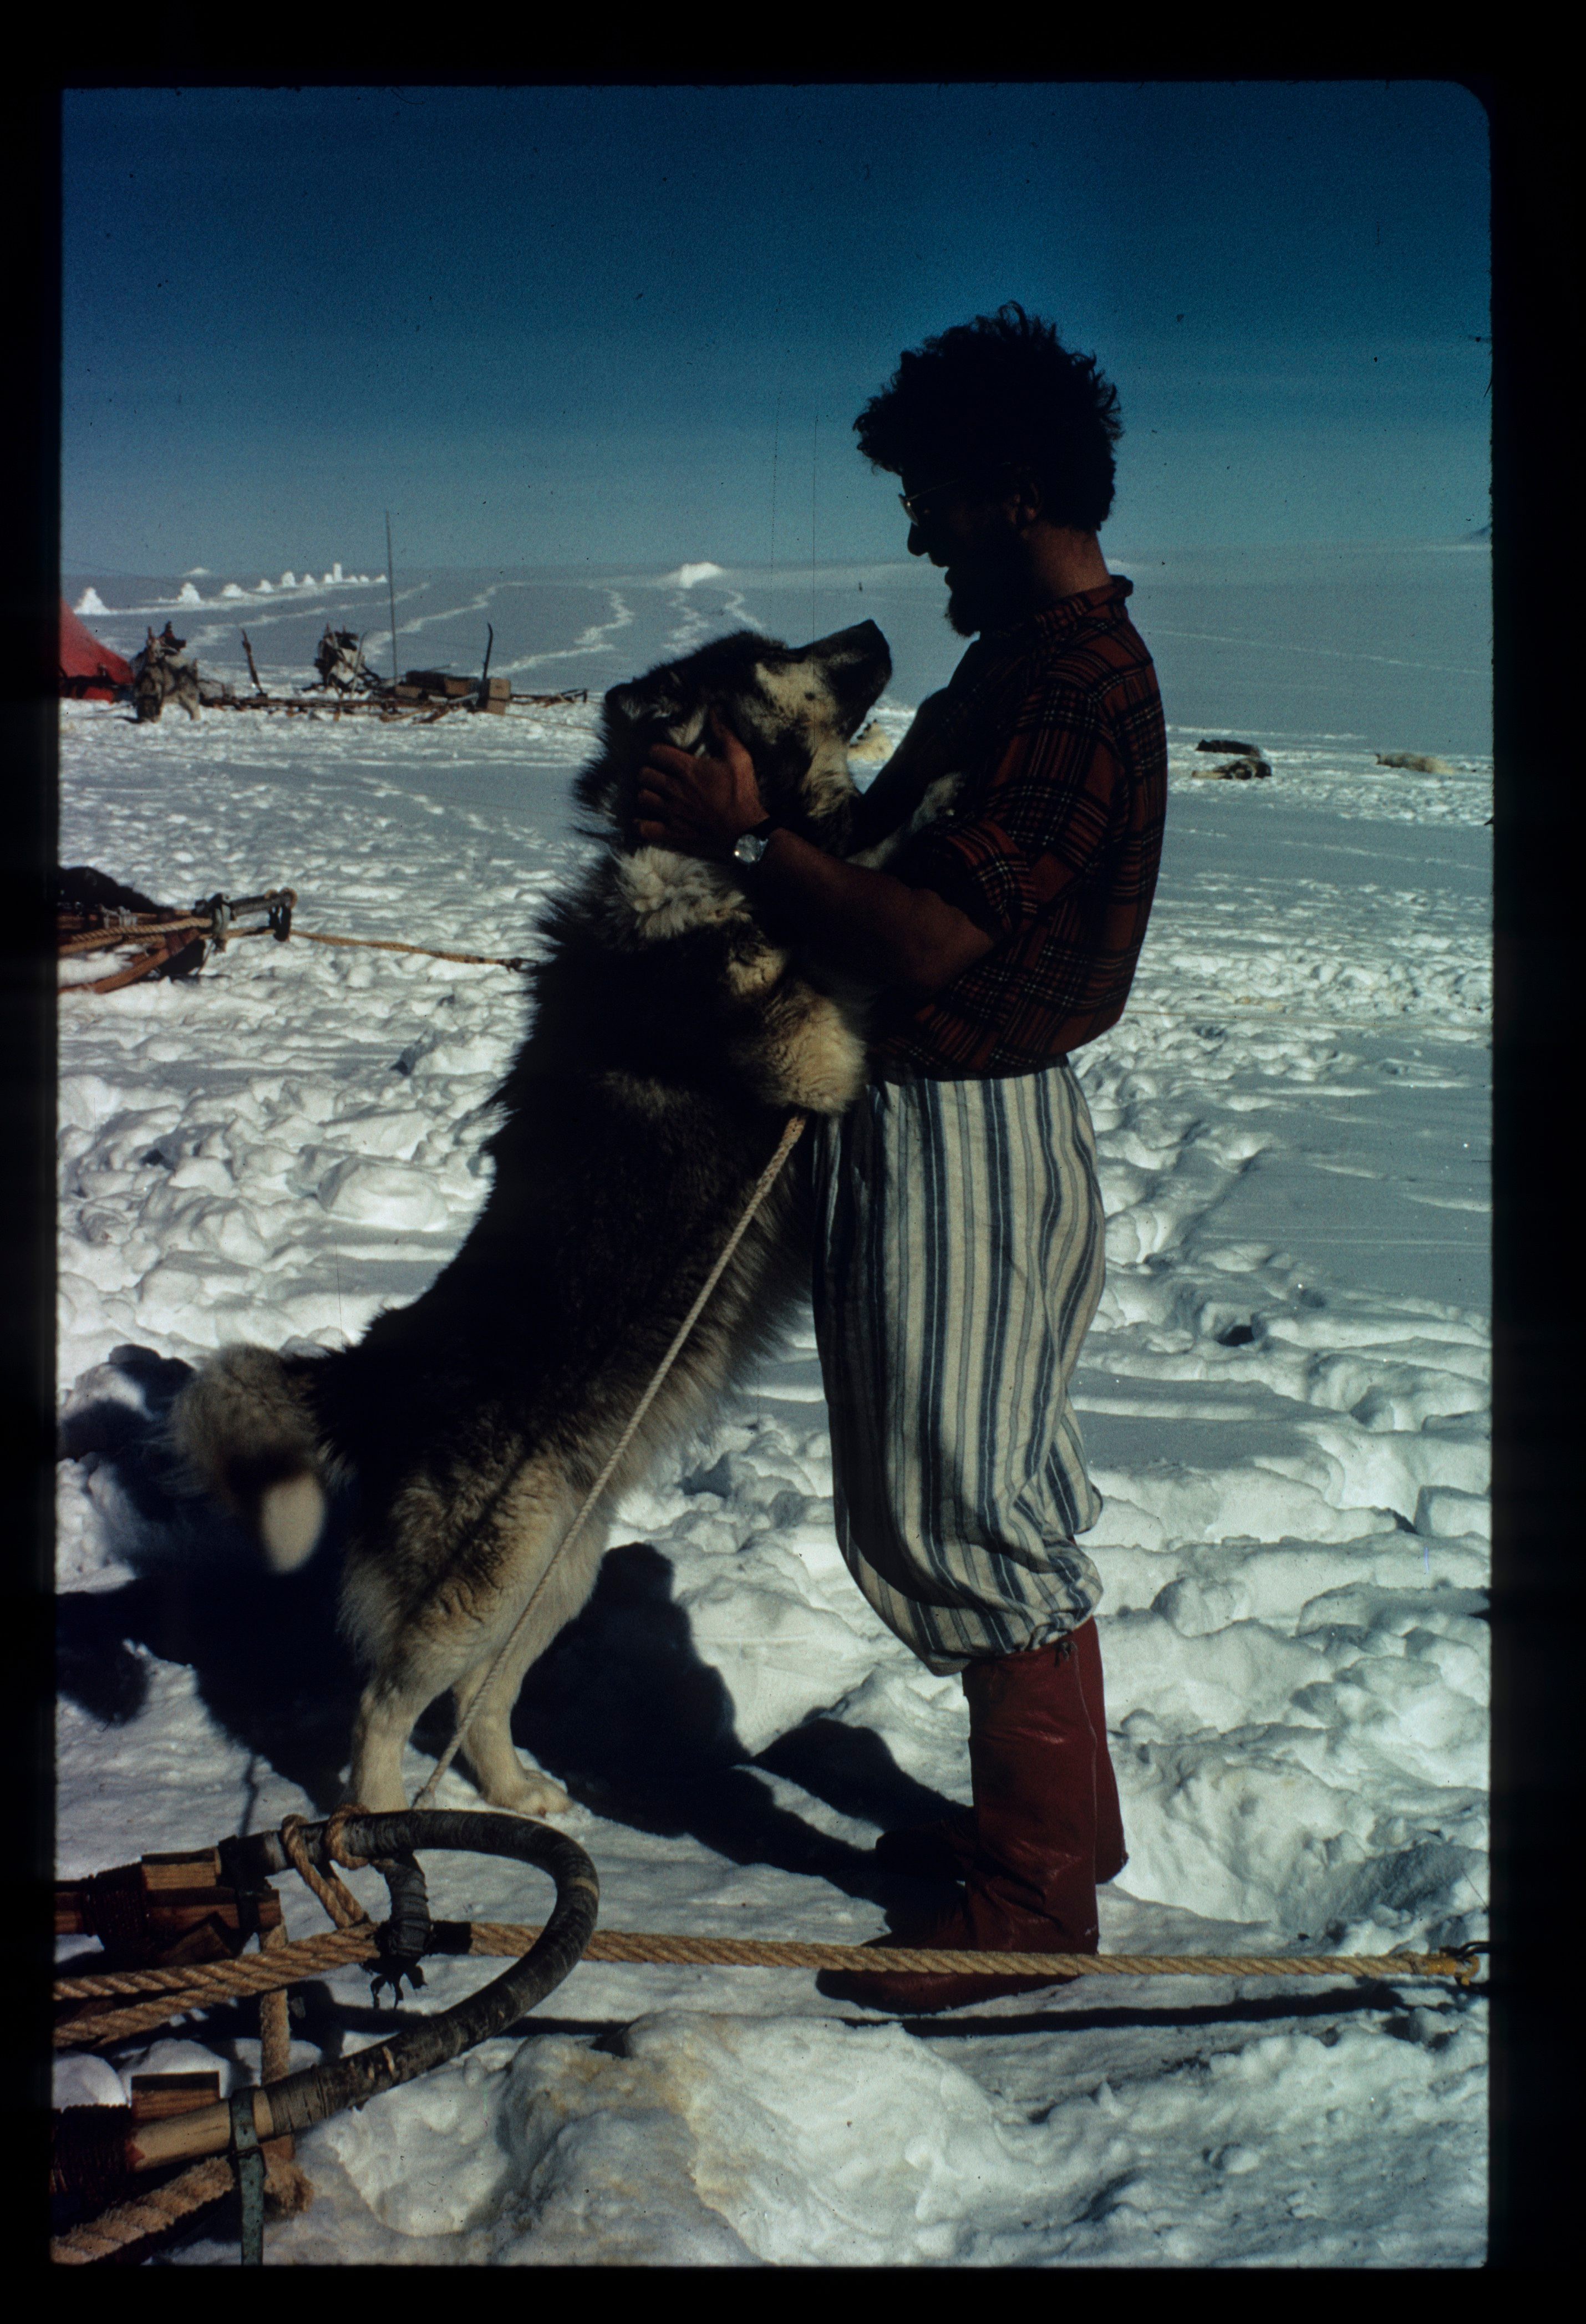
<point>302,2099</point>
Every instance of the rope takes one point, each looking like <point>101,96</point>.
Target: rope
<point>201,1985</point>
<point>762,1186</point>
<point>176,1991</point>
<point>139,932</point>
<point>107,939</point>
<point>148,2215</point>
<point>145,2214</point>
<point>337,1897</point>
<point>490,1937</point>
<point>385,944</point>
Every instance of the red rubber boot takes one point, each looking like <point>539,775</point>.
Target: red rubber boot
<point>1111,1855</point>
<point>944,1850</point>
<point>1031,1884</point>
<point>930,1851</point>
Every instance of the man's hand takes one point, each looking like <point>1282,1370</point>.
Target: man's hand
<point>900,939</point>
<point>698,806</point>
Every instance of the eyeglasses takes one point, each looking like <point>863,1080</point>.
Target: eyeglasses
<point>913,504</point>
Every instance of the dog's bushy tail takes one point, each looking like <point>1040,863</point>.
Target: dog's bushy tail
<point>245,1429</point>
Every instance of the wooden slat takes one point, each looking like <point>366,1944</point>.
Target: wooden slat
<point>158,2098</point>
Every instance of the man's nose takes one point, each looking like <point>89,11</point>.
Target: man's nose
<point>917,547</point>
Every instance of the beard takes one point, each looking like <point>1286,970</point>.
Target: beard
<point>985,597</point>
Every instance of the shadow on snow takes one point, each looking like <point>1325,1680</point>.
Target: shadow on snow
<point>620,1708</point>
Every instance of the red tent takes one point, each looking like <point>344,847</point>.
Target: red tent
<point>88,670</point>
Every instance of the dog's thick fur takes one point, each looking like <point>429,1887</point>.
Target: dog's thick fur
<point>670,1036</point>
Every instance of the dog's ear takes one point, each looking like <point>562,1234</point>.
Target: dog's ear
<point>645,702</point>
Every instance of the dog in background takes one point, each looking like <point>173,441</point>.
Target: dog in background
<point>159,676</point>
<point>670,1036</point>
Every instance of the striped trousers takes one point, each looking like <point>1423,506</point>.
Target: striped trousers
<point>959,1260</point>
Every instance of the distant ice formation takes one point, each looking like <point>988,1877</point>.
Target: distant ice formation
<point>687,575</point>
<point>89,603</point>
<point>188,596</point>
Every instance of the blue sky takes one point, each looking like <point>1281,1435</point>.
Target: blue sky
<point>554,327</point>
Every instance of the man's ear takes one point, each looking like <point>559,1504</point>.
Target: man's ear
<point>1023,499</point>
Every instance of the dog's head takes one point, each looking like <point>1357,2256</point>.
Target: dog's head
<point>794,708</point>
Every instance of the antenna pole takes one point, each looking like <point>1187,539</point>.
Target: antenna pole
<point>391,590</point>
<point>776,445</point>
<point>814,472</point>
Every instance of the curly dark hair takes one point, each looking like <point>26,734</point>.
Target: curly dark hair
<point>998,393</point>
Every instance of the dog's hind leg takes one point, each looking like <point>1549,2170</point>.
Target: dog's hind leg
<point>502,1778</point>
<point>396,1699</point>
<point>387,1714</point>
<point>410,1670</point>
<point>500,1774</point>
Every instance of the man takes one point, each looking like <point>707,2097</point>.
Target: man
<point>959,1257</point>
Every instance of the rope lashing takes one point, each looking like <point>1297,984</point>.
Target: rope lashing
<point>762,1188</point>
<point>333,1893</point>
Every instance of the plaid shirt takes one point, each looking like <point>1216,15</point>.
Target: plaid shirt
<point>1052,845</point>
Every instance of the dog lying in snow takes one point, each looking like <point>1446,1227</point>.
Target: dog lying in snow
<point>671,1035</point>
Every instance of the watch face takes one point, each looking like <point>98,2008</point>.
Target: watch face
<point>749,848</point>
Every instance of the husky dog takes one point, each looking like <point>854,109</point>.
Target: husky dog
<point>339,661</point>
<point>671,1035</point>
<point>158,675</point>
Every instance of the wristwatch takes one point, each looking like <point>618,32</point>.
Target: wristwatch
<point>753,843</point>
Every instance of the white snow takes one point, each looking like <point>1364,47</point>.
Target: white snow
<point>188,594</point>
<point>1285,1404</point>
<point>688,577</point>
<point>89,603</point>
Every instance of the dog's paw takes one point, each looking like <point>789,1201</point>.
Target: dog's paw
<point>528,1796</point>
<point>936,804</point>
<point>806,1052</point>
